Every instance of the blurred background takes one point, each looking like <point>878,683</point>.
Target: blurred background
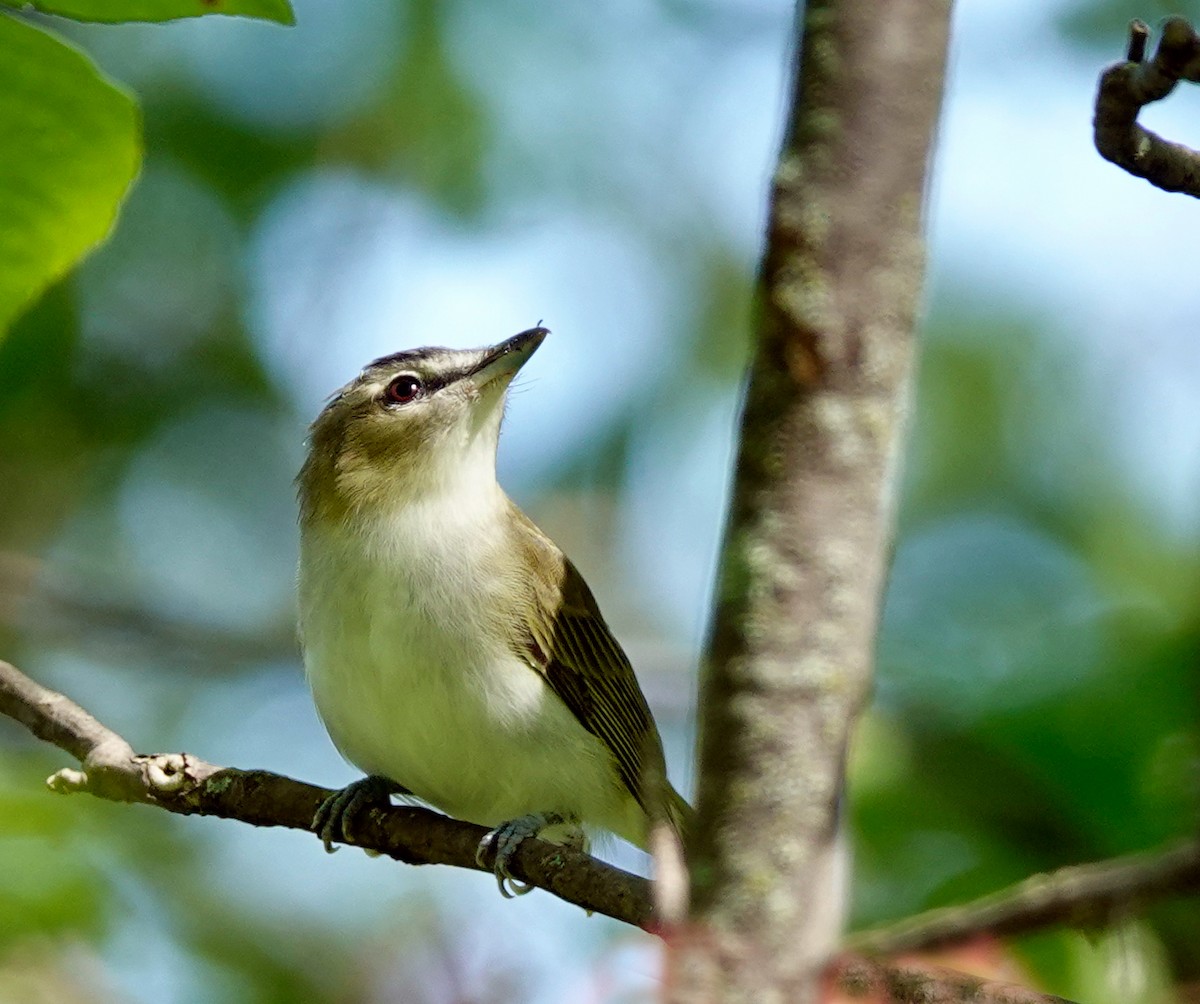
<point>439,171</point>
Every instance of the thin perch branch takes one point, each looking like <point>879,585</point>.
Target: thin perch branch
<point>179,782</point>
<point>1125,88</point>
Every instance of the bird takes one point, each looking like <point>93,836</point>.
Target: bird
<point>454,653</point>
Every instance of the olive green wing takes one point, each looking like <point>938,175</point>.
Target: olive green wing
<point>567,640</point>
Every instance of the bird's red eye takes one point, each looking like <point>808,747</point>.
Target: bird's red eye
<point>403,389</point>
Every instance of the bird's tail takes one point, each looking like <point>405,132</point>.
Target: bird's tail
<point>671,820</point>
<point>680,814</point>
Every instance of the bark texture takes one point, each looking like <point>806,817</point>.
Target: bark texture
<point>790,655</point>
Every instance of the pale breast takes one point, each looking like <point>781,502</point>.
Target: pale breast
<point>414,683</point>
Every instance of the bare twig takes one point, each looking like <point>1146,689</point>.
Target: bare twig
<point>1125,88</point>
<point>182,783</point>
<point>892,983</point>
<point>1080,895</point>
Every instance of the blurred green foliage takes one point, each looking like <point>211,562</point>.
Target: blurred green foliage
<point>115,11</point>
<point>71,139</point>
<point>71,143</point>
<point>1037,695</point>
<point>1103,24</point>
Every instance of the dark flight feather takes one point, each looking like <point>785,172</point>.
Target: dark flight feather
<point>568,641</point>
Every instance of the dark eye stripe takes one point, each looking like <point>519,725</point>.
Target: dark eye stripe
<point>435,383</point>
<point>431,384</point>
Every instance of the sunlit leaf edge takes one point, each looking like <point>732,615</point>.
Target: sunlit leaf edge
<point>118,11</point>
<point>72,181</point>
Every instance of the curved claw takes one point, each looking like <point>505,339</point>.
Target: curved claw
<point>335,816</point>
<point>506,838</point>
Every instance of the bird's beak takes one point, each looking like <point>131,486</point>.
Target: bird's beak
<point>503,361</point>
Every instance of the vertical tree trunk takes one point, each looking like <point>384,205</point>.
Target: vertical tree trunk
<point>790,654</point>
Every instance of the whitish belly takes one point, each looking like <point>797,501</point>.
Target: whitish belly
<point>475,732</point>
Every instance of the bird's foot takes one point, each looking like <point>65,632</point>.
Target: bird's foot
<point>507,837</point>
<point>335,817</point>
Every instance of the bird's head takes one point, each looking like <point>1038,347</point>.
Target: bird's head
<point>412,425</point>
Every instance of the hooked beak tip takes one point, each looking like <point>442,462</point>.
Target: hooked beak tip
<point>505,359</point>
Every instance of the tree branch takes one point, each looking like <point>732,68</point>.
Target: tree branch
<point>875,982</point>
<point>1125,88</point>
<point>179,782</point>
<point>802,568</point>
<point>1080,895</point>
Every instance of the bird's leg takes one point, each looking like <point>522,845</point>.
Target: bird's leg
<point>507,837</point>
<point>335,816</point>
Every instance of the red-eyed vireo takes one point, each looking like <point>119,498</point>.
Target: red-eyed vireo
<point>453,651</point>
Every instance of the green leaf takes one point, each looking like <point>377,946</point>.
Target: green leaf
<point>70,145</point>
<point>111,11</point>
